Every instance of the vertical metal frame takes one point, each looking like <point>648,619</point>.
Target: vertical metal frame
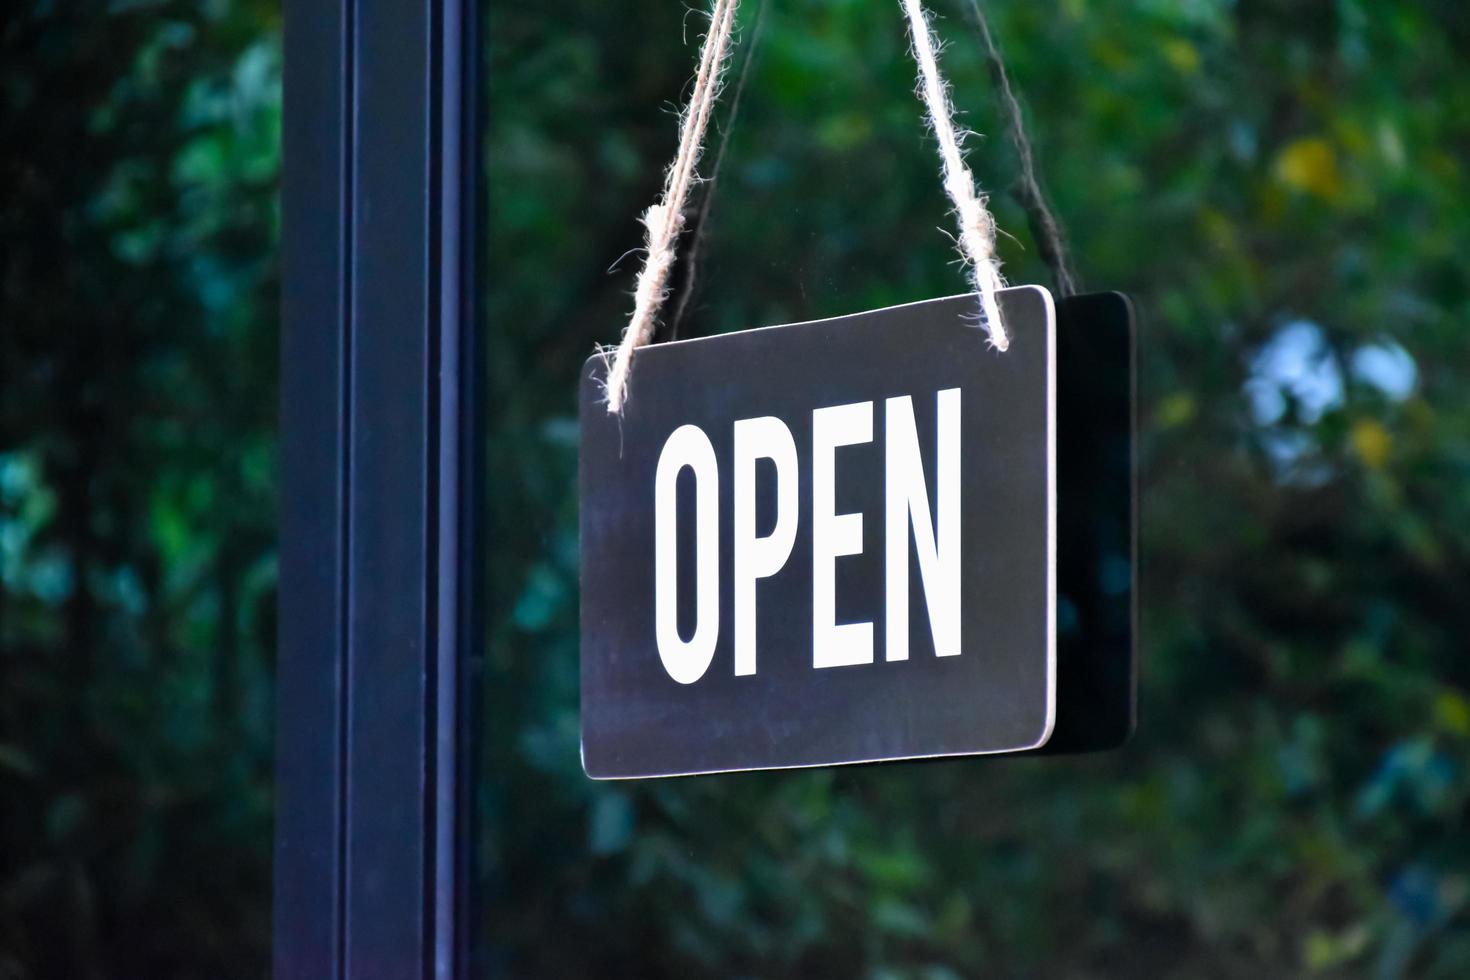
<point>380,498</point>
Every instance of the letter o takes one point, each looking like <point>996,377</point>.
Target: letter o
<point>687,446</point>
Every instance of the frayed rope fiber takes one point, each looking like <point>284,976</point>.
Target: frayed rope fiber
<point>665,220</point>
<point>977,227</point>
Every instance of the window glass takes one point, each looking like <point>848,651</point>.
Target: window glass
<point>1279,193</point>
<point>139,159</point>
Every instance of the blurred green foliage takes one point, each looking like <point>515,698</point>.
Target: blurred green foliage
<point>1281,185</point>
<point>139,155</point>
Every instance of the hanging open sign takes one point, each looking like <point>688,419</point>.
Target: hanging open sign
<point>831,542</point>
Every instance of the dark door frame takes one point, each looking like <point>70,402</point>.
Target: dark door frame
<point>380,466</point>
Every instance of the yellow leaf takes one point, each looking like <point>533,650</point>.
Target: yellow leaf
<point>1309,164</point>
<point>1176,409</point>
<point>1452,712</point>
<point>1372,442</point>
<point>1324,951</point>
<point>1182,55</point>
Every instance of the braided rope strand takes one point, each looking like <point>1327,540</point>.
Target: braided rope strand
<point>976,226</point>
<point>665,220</point>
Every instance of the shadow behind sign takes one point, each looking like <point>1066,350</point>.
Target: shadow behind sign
<point>1097,525</point>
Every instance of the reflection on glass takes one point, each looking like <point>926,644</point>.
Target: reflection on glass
<point>1278,195</point>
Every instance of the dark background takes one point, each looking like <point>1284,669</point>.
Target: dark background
<point>139,155</point>
<point>1282,188</point>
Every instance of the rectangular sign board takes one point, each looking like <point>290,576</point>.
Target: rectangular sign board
<point>830,542</point>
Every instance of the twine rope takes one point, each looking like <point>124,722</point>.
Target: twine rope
<point>1045,227</point>
<point>690,285</point>
<point>977,227</point>
<point>664,221</point>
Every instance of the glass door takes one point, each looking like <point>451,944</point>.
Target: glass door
<point>1277,195</point>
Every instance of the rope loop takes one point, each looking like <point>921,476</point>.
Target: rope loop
<point>664,221</point>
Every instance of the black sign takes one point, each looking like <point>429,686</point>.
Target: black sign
<point>823,543</point>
